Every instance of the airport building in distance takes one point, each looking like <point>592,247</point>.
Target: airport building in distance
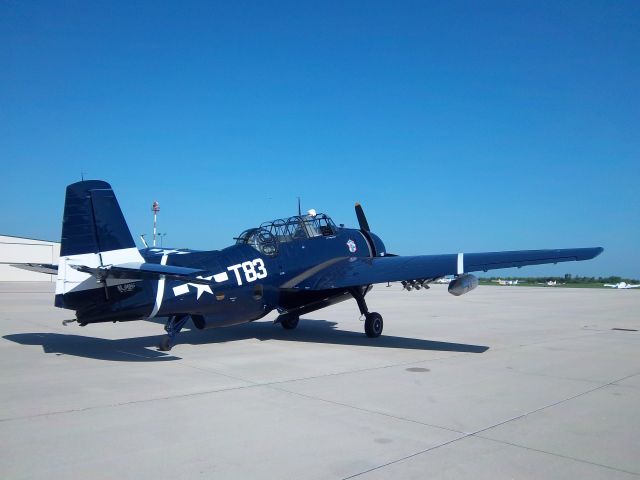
<point>26,250</point>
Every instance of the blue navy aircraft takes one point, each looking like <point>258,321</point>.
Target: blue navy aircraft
<point>295,265</point>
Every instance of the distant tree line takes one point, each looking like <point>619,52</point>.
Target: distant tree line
<point>568,278</point>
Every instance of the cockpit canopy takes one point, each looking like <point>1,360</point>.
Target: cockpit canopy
<point>267,237</point>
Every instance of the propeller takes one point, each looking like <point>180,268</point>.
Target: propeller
<point>364,228</point>
<point>362,220</point>
<point>366,231</point>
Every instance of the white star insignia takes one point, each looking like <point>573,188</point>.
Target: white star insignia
<point>184,288</point>
<point>202,288</point>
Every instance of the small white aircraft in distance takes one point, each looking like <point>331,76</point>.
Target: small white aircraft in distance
<point>506,282</point>
<point>621,285</point>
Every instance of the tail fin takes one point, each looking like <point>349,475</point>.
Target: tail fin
<point>94,233</point>
<point>93,221</point>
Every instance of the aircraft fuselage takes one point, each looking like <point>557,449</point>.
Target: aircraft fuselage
<point>245,283</point>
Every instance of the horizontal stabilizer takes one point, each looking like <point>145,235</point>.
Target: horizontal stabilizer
<point>47,268</point>
<point>144,271</point>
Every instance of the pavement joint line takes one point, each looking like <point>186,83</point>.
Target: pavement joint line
<point>170,397</point>
<point>554,404</point>
<point>556,377</point>
<point>123,404</point>
<point>366,410</point>
<point>268,384</point>
<point>633,387</point>
<point>252,384</point>
<point>346,372</point>
<point>210,370</point>
<point>558,455</point>
<point>57,327</point>
<point>265,384</point>
<point>440,359</point>
<point>475,433</point>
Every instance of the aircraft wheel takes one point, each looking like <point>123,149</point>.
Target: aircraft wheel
<point>165,345</point>
<point>289,322</point>
<point>373,324</point>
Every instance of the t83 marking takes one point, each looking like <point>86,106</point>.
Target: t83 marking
<point>253,270</point>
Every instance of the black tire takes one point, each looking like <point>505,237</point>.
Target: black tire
<point>165,345</point>
<point>373,325</point>
<point>290,322</point>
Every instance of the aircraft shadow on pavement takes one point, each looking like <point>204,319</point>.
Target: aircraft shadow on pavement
<point>143,349</point>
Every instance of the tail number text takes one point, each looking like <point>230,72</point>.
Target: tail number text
<point>253,270</point>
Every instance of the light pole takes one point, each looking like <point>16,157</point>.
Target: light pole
<point>161,235</point>
<point>155,208</point>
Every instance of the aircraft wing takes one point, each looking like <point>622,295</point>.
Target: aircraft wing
<point>356,271</point>
<point>47,268</point>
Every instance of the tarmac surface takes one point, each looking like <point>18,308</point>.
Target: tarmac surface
<point>504,382</point>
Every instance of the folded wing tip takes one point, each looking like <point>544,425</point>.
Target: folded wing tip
<point>596,251</point>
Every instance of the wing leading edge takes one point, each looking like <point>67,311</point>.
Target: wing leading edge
<point>351,272</point>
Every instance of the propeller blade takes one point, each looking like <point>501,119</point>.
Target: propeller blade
<point>362,220</point>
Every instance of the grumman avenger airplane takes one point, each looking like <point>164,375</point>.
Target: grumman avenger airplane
<point>295,266</point>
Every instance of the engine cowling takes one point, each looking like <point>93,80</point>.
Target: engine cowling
<point>462,284</point>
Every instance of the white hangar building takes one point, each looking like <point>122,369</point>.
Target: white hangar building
<point>26,250</point>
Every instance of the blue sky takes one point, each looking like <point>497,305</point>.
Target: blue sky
<point>460,126</point>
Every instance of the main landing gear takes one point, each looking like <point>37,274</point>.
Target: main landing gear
<point>373,323</point>
<point>173,327</point>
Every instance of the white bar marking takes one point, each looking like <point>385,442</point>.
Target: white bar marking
<point>70,279</point>
<point>160,292</point>
<point>460,263</point>
<point>180,290</point>
<point>221,277</point>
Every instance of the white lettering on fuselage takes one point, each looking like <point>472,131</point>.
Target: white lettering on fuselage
<point>253,270</point>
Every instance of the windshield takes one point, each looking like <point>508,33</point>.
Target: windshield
<point>260,239</point>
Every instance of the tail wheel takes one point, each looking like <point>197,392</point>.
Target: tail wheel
<point>373,324</point>
<point>289,322</point>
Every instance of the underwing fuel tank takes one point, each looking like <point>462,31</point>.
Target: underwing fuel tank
<point>462,284</point>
